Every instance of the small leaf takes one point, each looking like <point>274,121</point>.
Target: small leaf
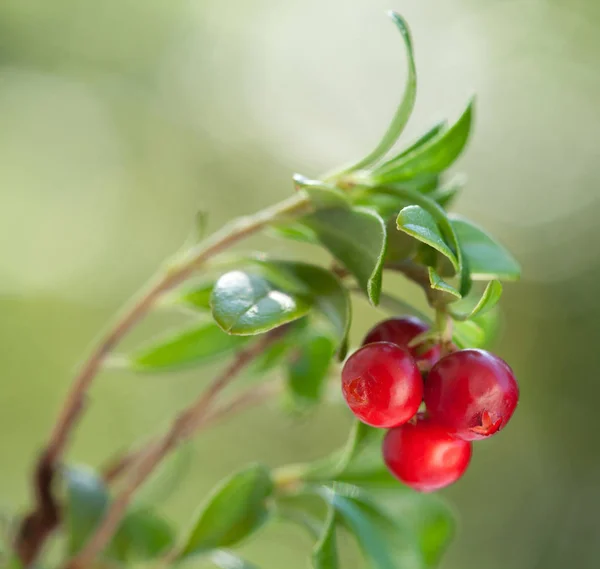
<point>478,332</point>
<point>322,195</point>
<point>236,508</point>
<point>357,239</point>
<point>197,297</point>
<point>227,560</point>
<point>308,369</point>
<point>486,258</point>
<point>432,157</point>
<point>324,554</point>
<point>419,224</point>
<point>142,536</point>
<point>437,283</point>
<point>184,348</point>
<point>295,232</point>
<point>406,105</point>
<point>424,138</point>
<point>87,501</point>
<point>490,297</point>
<point>247,304</point>
<point>327,292</point>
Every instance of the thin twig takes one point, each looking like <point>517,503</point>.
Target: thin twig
<point>249,398</point>
<point>182,427</point>
<point>37,525</point>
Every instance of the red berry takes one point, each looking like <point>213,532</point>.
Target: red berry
<point>424,456</point>
<point>401,331</point>
<point>472,393</point>
<point>382,385</point>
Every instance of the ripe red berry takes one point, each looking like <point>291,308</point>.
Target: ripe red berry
<point>401,331</point>
<point>382,385</point>
<point>472,393</point>
<point>424,456</point>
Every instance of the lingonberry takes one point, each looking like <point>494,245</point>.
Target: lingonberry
<point>472,393</point>
<point>382,385</point>
<point>401,331</point>
<point>424,455</point>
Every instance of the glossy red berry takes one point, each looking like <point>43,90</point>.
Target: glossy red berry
<point>382,385</point>
<point>472,393</point>
<point>425,456</point>
<point>401,331</point>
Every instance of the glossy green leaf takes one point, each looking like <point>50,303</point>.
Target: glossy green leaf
<point>308,368</point>
<point>418,223</point>
<point>235,509</point>
<point>357,239</point>
<point>321,194</point>
<point>324,555</point>
<point>329,296</point>
<point>478,332</point>
<point>192,346</point>
<point>432,157</point>
<point>486,258</point>
<point>438,283</point>
<point>406,106</point>
<point>246,304</point>
<point>490,297</point>
<point>227,560</point>
<point>142,536</point>
<point>87,500</point>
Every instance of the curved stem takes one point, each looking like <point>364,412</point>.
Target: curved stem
<point>36,526</point>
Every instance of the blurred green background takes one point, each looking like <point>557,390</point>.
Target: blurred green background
<point>120,118</point>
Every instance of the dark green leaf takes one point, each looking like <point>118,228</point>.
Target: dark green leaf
<point>357,239</point>
<point>86,502</point>
<point>245,304</point>
<point>400,245</point>
<point>328,294</point>
<point>478,332</point>
<point>432,157</point>
<point>324,555</point>
<point>192,346</point>
<point>490,297</point>
<point>419,224</point>
<point>235,509</point>
<point>438,283</point>
<point>406,105</point>
<point>486,258</point>
<point>322,195</point>
<point>142,536</point>
<point>227,560</point>
<point>308,368</point>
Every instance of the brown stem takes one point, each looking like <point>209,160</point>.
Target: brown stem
<point>182,427</point>
<point>39,524</point>
<point>249,398</point>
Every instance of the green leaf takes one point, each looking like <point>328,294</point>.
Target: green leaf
<point>197,297</point>
<point>436,529</point>
<point>329,296</point>
<point>142,536</point>
<point>235,509</point>
<point>227,560</point>
<point>445,195</point>
<point>486,258</point>
<point>375,548</point>
<point>438,283</point>
<point>424,138</point>
<point>478,332</point>
<point>294,231</point>
<point>419,224</point>
<point>246,304</point>
<point>432,157</point>
<point>324,555</point>
<point>87,501</point>
<point>196,345</point>
<point>321,194</point>
<point>490,297</point>
<point>307,371</point>
<point>357,239</point>
<point>406,105</point>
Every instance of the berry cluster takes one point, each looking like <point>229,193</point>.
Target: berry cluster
<point>468,395</point>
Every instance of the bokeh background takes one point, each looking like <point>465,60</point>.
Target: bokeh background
<point>120,118</point>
